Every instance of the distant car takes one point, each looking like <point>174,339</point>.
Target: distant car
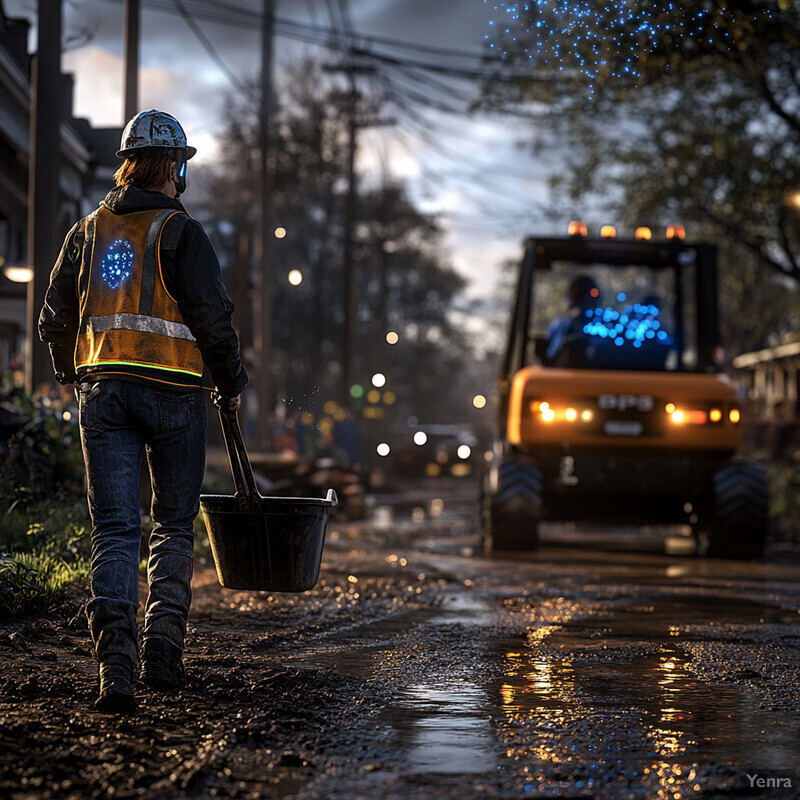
<point>434,449</point>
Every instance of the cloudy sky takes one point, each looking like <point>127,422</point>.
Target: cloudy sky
<point>470,170</point>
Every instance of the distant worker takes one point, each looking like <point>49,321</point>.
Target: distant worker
<point>135,309</point>
<point>565,333</point>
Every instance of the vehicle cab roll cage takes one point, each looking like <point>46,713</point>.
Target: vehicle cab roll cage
<point>676,254</point>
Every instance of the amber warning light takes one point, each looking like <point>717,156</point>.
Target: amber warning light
<point>676,232</point>
<point>576,228</point>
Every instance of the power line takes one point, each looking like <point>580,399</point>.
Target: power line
<point>230,14</point>
<point>484,172</point>
<point>401,96</point>
<point>467,186</point>
<point>394,87</point>
<point>439,69</point>
<point>223,13</point>
<point>209,47</point>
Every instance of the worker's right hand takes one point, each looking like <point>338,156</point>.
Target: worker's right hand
<point>228,405</point>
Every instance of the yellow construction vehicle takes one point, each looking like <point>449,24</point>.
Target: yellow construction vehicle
<point>613,406</point>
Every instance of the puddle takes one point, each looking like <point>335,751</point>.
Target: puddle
<point>578,700</point>
<point>645,709</point>
<point>617,686</point>
<point>443,729</point>
<point>435,727</point>
<point>463,609</point>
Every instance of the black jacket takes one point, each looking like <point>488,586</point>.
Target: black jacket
<point>191,274</point>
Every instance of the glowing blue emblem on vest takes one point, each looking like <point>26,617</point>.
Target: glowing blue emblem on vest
<point>117,263</point>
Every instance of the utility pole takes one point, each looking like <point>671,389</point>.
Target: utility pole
<point>240,292</point>
<point>348,273</point>
<point>263,332</point>
<point>132,17</point>
<point>387,246</point>
<point>44,166</point>
<point>350,299</point>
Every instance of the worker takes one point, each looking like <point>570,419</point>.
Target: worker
<point>135,309</point>
<point>565,338</point>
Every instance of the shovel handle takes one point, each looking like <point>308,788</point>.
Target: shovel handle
<point>237,454</point>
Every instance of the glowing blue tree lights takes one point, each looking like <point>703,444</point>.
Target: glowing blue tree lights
<point>608,38</point>
<point>117,263</point>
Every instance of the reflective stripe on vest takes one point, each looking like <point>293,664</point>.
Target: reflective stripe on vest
<point>128,318</point>
<point>138,322</point>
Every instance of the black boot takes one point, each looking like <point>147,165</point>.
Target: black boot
<point>116,685</point>
<point>162,665</point>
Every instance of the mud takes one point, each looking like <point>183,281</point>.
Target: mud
<point>417,669</point>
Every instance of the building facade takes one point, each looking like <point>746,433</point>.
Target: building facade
<point>772,379</point>
<point>84,159</point>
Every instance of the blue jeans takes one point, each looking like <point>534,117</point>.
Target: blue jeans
<point>122,421</point>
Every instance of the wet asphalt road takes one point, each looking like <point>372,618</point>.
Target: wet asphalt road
<point>609,663</point>
<point>600,666</point>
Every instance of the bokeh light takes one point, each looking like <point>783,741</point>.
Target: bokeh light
<point>19,274</point>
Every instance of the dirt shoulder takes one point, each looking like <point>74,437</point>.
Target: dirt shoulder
<point>248,724</point>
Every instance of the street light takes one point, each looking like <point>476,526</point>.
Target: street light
<point>378,380</point>
<point>295,277</point>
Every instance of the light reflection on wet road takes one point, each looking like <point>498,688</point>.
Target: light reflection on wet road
<point>581,670</point>
<point>444,729</point>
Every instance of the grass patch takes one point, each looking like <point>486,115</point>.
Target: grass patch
<point>32,526</point>
<point>44,557</point>
<point>37,583</point>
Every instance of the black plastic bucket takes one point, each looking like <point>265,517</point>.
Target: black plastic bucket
<point>264,543</point>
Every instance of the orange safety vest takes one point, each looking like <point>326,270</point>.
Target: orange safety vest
<point>129,323</point>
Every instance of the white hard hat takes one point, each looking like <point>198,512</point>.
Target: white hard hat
<point>153,129</point>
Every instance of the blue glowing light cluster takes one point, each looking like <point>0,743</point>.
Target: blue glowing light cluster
<point>117,263</point>
<point>603,37</point>
<point>635,324</point>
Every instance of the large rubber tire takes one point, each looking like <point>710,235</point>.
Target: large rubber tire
<point>514,510</point>
<point>739,525</point>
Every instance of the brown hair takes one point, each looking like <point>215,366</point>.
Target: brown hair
<point>145,172</point>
